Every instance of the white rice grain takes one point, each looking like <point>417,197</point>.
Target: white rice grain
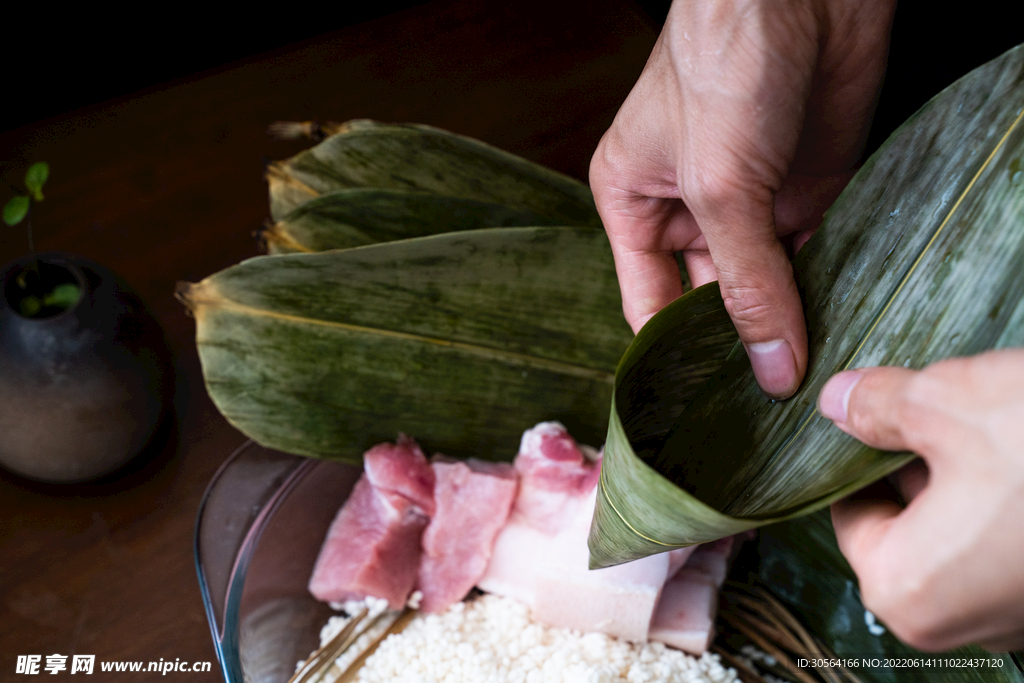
<point>493,640</point>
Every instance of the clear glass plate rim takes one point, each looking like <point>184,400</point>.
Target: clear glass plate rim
<point>226,639</point>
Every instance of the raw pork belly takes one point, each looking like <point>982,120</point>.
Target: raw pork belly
<point>473,500</point>
<point>373,545</point>
<point>713,559</point>
<point>401,473</point>
<point>516,530</point>
<point>541,556</point>
<point>685,617</point>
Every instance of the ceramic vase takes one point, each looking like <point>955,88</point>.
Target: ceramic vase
<point>82,391</point>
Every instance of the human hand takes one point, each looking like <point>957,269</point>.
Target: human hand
<point>742,128</point>
<point>947,569</point>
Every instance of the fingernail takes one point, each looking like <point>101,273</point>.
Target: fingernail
<point>834,399</point>
<point>774,366</point>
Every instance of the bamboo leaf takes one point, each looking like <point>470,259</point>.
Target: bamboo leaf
<point>359,216</point>
<point>421,158</point>
<point>801,564</point>
<point>463,337</point>
<point>657,380</point>
<point>919,259</point>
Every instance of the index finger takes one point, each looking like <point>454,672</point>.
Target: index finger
<point>649,281</point>
<point>644,232</point>
<point>758,288</point>
<point>644,250</point>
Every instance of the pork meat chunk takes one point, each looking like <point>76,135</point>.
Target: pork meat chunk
<point>541,556</point>
<point>473,499</point>
<point>373,545</point>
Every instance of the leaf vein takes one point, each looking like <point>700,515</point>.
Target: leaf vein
<point>511,357</point>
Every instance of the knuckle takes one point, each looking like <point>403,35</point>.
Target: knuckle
<point>930,382</point>
<point>711,186</point>
<point>722,175</point>
<point>601,165</point>
<point>865,426</point>
<point>917,411</point>
<point>749,306</point>
<point>870,421</point>
<point>723,189</point>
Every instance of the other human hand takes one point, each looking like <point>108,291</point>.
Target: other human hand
<point>742,128</point>
<point>947,569</point>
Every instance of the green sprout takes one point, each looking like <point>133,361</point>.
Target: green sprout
<point>17,209</point>
<point>36,299</point>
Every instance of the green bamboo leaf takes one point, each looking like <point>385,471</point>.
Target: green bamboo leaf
<point>359,216</point>
<point>800,563</point>
<point>420,158</point>
<point>919,259</point>
<point>461,339</point>
<point>657,380</point>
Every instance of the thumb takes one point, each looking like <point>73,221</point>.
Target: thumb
<point>867,404</point>
<point>870,404</point>
<point>760,294</point>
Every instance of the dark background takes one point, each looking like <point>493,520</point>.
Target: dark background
<point>54,65</point>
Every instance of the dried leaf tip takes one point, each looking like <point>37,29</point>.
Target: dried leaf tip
<point>294,130</point>
<point>192,295</point>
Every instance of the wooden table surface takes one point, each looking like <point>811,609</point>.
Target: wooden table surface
<point>167,186</point>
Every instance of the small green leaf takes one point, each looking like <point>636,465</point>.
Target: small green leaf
<point>63,296</point>
<point>30,306</point>
<point>16,210</point>
<point>35,177</point>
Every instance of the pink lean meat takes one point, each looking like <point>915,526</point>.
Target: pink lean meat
<point>541,555</point>
<point>373,544</point>
<point>473,499</point>
<point>401,473</point>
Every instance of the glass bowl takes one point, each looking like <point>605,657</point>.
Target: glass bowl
<point>259,529</point>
